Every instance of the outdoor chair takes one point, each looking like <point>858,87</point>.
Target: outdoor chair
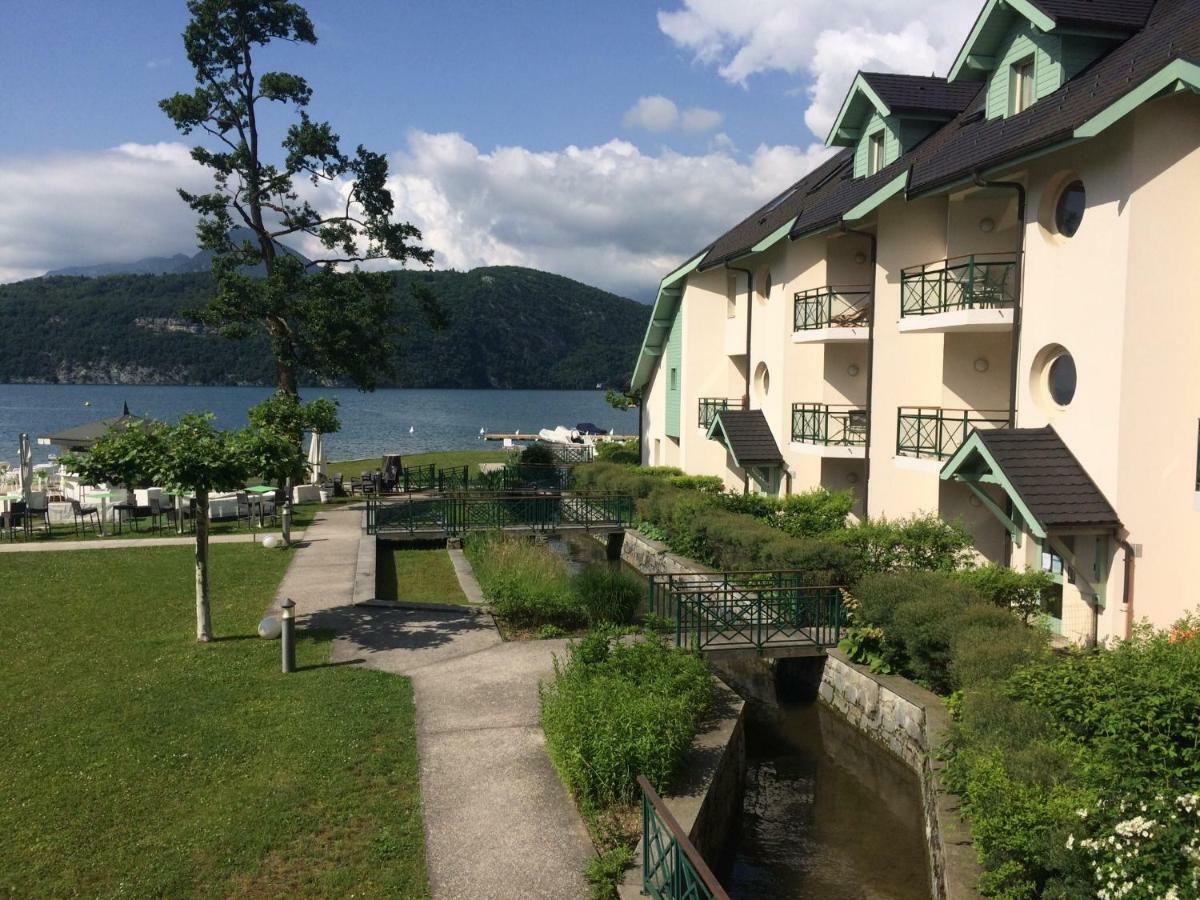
<point>84,515</point>
<point>158,513</point>
<point>368,483</point>
<point>16,514</point>
<point>356,485</point>
<point>339,489</point>
<point>173,512</point>
<point>243,510</point>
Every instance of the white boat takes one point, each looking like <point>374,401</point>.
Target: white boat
<point>562,435</point>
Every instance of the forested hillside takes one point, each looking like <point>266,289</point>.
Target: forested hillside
<point>506,327</point>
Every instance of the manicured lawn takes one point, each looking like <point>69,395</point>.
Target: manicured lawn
<point>421,576</point>
<point>138,762</point>
<point>445,458</point>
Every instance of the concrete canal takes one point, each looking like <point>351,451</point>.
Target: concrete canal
<point>827,814</point>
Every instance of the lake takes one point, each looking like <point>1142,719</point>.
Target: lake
<point>372,424</point>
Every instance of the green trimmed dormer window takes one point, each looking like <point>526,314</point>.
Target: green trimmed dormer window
<point>1022,85</point>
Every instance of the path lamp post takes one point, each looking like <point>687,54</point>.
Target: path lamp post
<point>288,635</point>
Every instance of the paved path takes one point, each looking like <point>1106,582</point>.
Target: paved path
<point>498,822</point>
<point>50,545</point>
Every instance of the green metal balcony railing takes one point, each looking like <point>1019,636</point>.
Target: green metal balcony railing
<point>831,426</point>
<point>936,433</point>
<point>833,307</point>
<point>982,281</point>
<point>455,514</point>
<point>672,868</point>
<point>710,406</point>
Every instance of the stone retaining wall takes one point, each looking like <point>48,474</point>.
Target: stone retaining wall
<point>912,723</point>
<point>653,557</point>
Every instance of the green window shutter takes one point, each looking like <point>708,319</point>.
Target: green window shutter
<point>673,359</point>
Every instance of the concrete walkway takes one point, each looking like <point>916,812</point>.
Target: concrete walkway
<point>498,822</point>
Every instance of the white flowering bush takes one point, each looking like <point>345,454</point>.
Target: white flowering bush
<point>1137,851</point>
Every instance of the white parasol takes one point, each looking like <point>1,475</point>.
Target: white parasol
<point>26,451</point>
<point>316,458</point>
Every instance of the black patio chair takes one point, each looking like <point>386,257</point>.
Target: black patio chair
<point>339,489</point>
<point>83,515</point>
<point>16,515</point>
<point>174,511</point>
<point>356,485</point>
<point>369,482</point>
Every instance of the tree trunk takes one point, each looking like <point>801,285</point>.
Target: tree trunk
<point>285,516</point>
<point>203,606</point>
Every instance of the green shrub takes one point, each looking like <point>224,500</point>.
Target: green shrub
<point>810,514</point>
<point>538,455</point>
<point>527,585</point>
<point>604,872</point>
<point>616,709</point>
<point>629,453</point>
<point>1022,592</point>
<point>920,543</point>
<point>607,594</point>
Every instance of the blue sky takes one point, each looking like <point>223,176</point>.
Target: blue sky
<point>606,141</point>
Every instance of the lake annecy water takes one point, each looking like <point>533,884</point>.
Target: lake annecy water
<point>386,421</point>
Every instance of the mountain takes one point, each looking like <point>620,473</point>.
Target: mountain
<point>506,327</point>
<point>168,265</point>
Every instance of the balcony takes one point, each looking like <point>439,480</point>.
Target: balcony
<point>829,430</point>
<point>927,432</point>
<point>968,293</point>
<point>710,406</point>
<point>827,315</point>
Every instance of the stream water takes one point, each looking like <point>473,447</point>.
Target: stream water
<point>827,813</point>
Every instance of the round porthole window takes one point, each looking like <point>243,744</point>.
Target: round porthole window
<point>1061,379</point>
<point>764,285</point>
<point>1053,379</point>
<point>1068,211</point>
<point>762,380</point>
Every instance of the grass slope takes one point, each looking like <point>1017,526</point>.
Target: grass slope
<point>445,459</point>
<point>138,762</point>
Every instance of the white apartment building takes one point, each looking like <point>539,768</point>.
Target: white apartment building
<point>980,306</point>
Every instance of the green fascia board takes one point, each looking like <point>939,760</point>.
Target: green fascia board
<point>1039,19</point>
<point>1179,74</point>
<point>877,199</point>
<point>661,316</point>
<point>716,432</point>
<point>974,445</point>
<point>858,88</point>
<point>774,237</point>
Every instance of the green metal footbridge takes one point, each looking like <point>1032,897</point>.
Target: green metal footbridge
<point>455,514</point>
<point>776,613</point>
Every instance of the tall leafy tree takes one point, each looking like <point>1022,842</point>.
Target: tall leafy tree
<point>319,317</point>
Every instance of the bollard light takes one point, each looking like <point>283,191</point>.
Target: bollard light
<point>288,635</point>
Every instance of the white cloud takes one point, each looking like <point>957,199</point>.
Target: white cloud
<point>700,119</point>
<point>660,114</point>
<point>655,113</point>
<point>609,215</point>
<point>821,41</point>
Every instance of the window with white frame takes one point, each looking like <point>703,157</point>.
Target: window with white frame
<point>874,153</point>
<point>1021,86</point>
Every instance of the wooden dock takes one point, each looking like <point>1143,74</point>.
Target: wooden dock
<point>524,436</point>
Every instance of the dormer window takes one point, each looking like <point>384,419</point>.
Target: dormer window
<point>874,153</point>
<point>1021,86</point>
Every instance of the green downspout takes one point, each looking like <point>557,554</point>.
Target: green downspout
<point>870,236</point>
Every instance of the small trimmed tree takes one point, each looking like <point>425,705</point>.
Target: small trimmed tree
<point>285,416</point>
<point>190,456</point>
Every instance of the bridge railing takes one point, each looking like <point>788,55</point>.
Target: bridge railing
<point>662,588</point>
<point>735,617</point>
<point>455,514</point>
<point>672,868</point>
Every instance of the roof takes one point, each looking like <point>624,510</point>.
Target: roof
<point>1048,480</point>
<point>81,437</point>
<point>1125,14</point>
<point>747,435</point>
<point>920,93</point>
<point>969,143</point>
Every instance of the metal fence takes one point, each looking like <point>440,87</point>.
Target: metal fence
<point>454,514</point>
<point>417,478</point>
<point>571,454</point>
<point>710,406</point>
<point>456,478</point>
<point>672,868</point>
<point>935,433</point>
<point>525,477</point>
<point>821,423</point>
<point>982,281</point>
<point>831,307</point>
<point>731,617</point>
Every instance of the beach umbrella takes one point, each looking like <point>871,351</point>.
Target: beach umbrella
<point>316,457</point>
<point>26,451</point>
